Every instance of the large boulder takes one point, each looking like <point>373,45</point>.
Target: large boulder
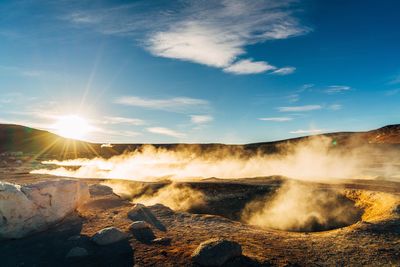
<point>32,208</point>
<point>216,251</point>
<point>108,236</point>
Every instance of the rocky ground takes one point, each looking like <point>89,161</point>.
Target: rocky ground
<point>373,241</point>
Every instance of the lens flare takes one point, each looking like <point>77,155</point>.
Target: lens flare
<point>71,126</point>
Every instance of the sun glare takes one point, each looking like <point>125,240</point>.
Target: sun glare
<point>72,126</point>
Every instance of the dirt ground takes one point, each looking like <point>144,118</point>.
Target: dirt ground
<point>373,241</point>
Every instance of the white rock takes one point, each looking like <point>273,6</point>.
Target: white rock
<point>31,208</point>
<point>108,236</point>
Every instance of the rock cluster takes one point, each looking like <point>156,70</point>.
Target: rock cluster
<point>32,208</point>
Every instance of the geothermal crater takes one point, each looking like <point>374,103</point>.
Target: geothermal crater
<point>280,205</point>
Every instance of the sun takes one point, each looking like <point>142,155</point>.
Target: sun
<point>72,126</point>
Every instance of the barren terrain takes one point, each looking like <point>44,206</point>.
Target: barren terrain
<point>373,240</point>
<point>327,222</point>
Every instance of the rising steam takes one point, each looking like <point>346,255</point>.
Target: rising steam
<point>175,196</point>
<point>311,159</point>
<point>294,207</point>
<point>300,207</point>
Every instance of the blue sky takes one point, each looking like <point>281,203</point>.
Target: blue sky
<point>201,71</point>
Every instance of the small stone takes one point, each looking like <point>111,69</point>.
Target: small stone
<point>142,231</point>
<point>109,235</point>
<point>139,225</point>
<point>166,241</point>
<point>215,252</point>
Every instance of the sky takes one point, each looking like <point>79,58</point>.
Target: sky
<point>200,71</point>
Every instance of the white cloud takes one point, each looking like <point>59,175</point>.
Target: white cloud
<point>311,131</point>
<point>122,120</point>
<point>176,104</point>
<point>284,71</point>
<point>334,89</point>
<point>335,107</point>
<point>300,108</point>
<point>276,119</point>
<point>195,43</point>
<point>213,33</point>
<point>201,119</point>
<point>165,131</point>
<point>247,66</point>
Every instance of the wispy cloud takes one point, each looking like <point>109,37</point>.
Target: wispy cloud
<point>220,30</point>
<point>311,131</point>
<point>293,98</point>
<point>276,119</point>
<point>212,33</point>
<point>392,92</point>
<point>307,86</point>
<point>122,120</point>
<point>335,89</point>
<point>299,108</point>
<point>196,43</point>
<point>166,131</point>
<point>21,71</point>
<point>335,107</point>
<point>284,71</point>
<point>176,104</point>
<point>109,132</point>
<point>201,119</point>
<point>247,66</point>
<point>395,79</point>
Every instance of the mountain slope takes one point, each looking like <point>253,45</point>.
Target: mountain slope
<point>29,140</point>
<point>386,135</point>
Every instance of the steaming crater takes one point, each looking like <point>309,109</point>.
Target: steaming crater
<point>277,204</point>
<point>299,207</point>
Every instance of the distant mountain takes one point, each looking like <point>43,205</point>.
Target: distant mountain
<point>32,141</point>
<point>28,140</point>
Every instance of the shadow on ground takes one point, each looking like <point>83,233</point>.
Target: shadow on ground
<point>50,248</point>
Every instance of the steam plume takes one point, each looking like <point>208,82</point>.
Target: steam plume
<point>176,196</point>
<point>312,159</point>
<point>298,207</point>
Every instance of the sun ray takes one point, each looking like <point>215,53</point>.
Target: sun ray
<point>71,126</point>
